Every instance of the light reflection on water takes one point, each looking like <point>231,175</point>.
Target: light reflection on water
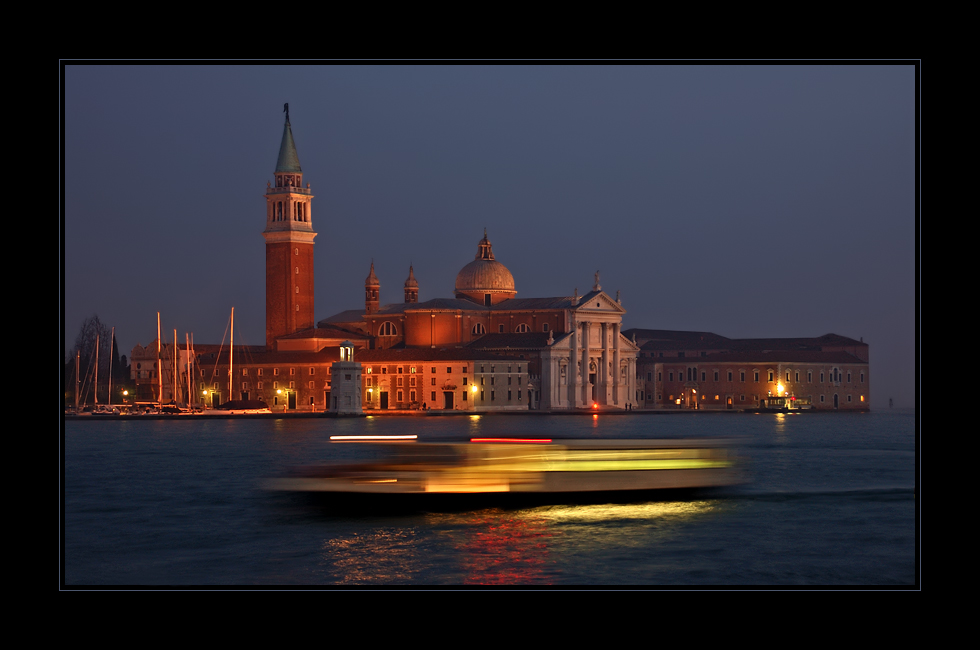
<point>503,547</point>
<point>163,502</point>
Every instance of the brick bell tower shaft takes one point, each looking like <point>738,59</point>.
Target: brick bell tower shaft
<point>288,246</point>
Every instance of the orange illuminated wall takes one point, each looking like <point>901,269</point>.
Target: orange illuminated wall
<point>288,289</point>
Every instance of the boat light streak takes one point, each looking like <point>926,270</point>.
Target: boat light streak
<point>371,438</point>
<point>521,440</point>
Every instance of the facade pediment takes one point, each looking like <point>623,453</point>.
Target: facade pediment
<point>598,301</point>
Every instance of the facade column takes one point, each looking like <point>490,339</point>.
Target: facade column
<point>586,386</point>
<point>572,374</point>
<point>604,382</point>
<point>617,393</point>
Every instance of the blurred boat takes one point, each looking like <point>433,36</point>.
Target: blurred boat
<point>546,468</point>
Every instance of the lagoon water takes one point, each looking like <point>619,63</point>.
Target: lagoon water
<point>831,501</point>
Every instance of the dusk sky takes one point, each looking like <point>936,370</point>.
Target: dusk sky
<point>745,200</point>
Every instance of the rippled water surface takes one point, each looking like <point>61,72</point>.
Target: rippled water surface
<point>831,501</point>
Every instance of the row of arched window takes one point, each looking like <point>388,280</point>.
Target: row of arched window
<point>300,211</point>
<point>523,328</point>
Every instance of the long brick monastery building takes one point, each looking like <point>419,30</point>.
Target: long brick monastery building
<point>484,348</point>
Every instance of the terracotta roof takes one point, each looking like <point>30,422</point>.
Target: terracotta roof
<point>349,316</point>
<point>407,355</point>
<point>768,357</point>
<point>263,357</point>
<point>524,304</point>
<point>327,332</point>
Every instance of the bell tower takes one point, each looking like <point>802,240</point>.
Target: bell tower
<point>288,246</point>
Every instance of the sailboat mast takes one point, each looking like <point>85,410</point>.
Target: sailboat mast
<point>159,366</point>
<point>111,341</point>
<point>190,370</point>
<point>231,359</point>
<point>77,355</point>
<point>174,373</point>
<point>96,370</point>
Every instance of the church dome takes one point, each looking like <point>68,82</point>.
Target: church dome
<point>485,277</point>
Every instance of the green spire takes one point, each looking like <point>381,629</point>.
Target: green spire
<point>288,160</point>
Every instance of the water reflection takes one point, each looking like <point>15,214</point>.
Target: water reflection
<point>385,556</point>
<point>507,547</point>
<point>495,547</point>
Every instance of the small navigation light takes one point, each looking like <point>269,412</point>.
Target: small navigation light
<point>595,405</point>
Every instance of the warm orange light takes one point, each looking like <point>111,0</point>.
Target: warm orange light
<point>521,440</point>
<point>595,405</point>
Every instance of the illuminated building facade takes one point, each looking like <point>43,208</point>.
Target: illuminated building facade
<point>484,348</point>
<point>703,370</point>
<point>572,346</point>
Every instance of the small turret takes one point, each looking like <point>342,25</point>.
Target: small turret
<point>372,292</point>
<point>411,287</point>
